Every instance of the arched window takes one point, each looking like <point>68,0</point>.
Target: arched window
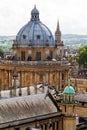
<point>23,55</point>
<point>29,58</point>
<point>38,56</point>
<point>24,36</point>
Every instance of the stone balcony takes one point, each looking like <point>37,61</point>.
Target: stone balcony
<point>35,63</point>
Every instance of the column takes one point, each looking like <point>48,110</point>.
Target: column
<point>19,84</point>
<point>27,79</point>
<point>49,77</point>
<point>10,78</point>
<point>35,88</point>
<point>56,125</point>
<point>60,80</point>
<point>23,78</point>
<point>43,127</point>
<point>2,75</point>
<point>7,80</point>
<point>48,127</point>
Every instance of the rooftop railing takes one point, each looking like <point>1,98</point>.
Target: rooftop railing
<point>34,63</point>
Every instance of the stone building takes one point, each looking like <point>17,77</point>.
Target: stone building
<point>80,84</point>
<point>37,112</point>
<point>30,112</point>
<point>36,57</point>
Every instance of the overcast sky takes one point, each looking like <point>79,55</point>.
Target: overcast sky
<point>72,15</point>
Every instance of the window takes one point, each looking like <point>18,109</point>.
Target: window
<point>38,56</point>
<point>29,58</point>
<point>23,55</point>
<point>38,36</point>
<point>49,57</point>
<point>62,76</point>
<point>24,36</point>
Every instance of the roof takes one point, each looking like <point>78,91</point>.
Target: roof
<point>81,97</point>
<point>35,33</point>
<point>82,126</point>
<point>69,89</point>
<point>34,10</point>
<point>20,108</point>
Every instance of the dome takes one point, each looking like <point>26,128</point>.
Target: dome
<point>35,33</point>
<point>69,89</point>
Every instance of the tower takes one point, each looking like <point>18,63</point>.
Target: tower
<point>59,44</point>
<point>58,34</point>
<point>68,107</point>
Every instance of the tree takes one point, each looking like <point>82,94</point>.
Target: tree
<point>70,59</point>
<point>82,56</point>
<point>1,52</point>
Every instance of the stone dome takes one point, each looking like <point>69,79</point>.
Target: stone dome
<point>69,89</point>
<point>35,33</point>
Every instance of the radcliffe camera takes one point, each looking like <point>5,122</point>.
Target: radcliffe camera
<point>43,65</point>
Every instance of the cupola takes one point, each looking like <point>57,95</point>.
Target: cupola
<point>68,94</point>
<point>34,14</point>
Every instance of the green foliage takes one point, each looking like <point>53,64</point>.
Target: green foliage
<point>82,56</point>
<point>70,58</point>
<point>1,52</point>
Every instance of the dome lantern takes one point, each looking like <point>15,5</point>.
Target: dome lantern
<point>34,14</point>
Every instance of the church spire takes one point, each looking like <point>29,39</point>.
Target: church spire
<point>58,34</point>
<point>58,27</point>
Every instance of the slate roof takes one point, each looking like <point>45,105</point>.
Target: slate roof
<point>26,107</point>
<point>35,33</point>
<point>81,97</point>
